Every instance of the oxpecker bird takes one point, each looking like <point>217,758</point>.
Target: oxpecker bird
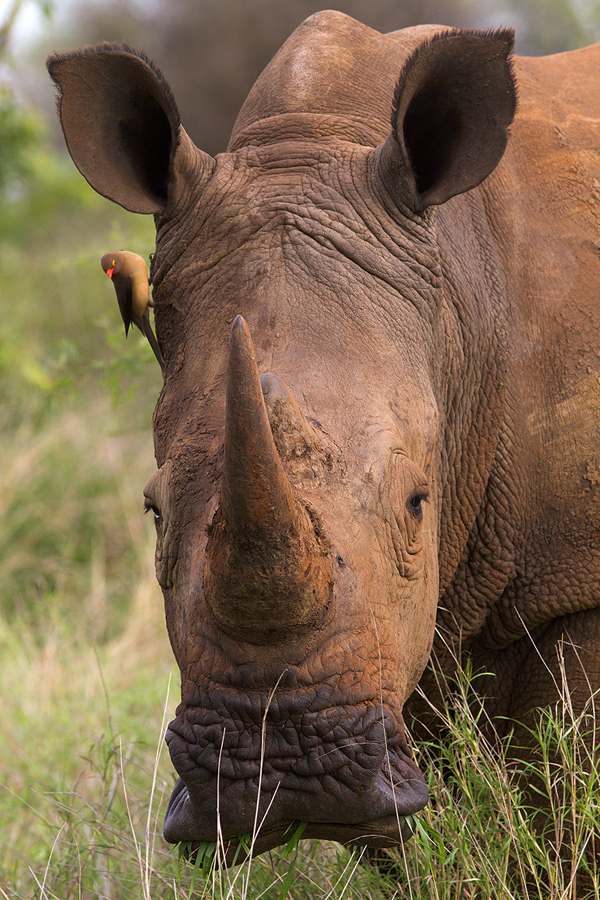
<point>129,274</point>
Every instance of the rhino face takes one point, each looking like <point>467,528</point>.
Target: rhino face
<point>300,572</point>
<point>298,436</point>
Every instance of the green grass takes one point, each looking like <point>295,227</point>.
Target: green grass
<point>87,783</point>
<point>87,675</point>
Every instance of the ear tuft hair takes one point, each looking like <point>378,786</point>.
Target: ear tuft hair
<point>505,35</point>
<point>59,56</point>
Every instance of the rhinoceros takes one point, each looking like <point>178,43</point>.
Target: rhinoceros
<point>380,321</point>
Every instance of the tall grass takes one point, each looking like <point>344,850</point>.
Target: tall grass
<point>88,784</point>
<point>483,834</point>
<point>86,672</point>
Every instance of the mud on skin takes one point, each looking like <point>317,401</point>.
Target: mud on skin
<point>378,316</point>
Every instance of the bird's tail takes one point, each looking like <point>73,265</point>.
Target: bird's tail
<point>153,342</point>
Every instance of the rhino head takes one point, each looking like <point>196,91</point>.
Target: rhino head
<point>303,433</point>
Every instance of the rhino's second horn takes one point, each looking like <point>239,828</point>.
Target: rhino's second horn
<point>266,572</point>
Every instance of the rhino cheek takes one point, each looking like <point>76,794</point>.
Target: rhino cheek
<point>400,610</point>
<point>421,617</point>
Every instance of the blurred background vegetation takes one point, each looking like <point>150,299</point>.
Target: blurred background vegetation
<point>61,344</point>
<point>84,658</point>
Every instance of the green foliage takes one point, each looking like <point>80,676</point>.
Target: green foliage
<point>84,806</point>
<point>76,402</point>
<point>11,14</point>
<point>19,132</point>
<point>84,657</point>
<point>20,128</point>
<point>482,834</point>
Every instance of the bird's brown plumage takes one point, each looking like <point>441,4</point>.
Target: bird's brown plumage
<point>129,274</point>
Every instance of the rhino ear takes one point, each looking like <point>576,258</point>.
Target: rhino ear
<point>454,102</point>
<point>120,123</point>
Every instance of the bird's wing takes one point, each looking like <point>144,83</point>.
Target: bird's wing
<point>123,288</point>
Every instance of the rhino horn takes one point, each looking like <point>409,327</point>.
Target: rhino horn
<point>292,433</point>
<point>255,491</point>
<point>266,570</point>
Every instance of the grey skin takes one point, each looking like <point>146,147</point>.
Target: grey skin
<point>380,401</point>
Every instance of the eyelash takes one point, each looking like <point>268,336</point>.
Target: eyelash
<point>150,507</point>
<point>415,501</point>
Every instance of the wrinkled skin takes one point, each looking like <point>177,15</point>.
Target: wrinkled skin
<point>427,442</point>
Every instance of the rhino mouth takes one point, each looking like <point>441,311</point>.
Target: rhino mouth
<point>387,832</point>
<point>346,772</point>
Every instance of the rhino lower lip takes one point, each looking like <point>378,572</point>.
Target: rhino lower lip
<point>387,827</point>
<point>345,769</point>
<point>389,831</point>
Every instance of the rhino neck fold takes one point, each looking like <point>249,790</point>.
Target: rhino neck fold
<point>265,571</point>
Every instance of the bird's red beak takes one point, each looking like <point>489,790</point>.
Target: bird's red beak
<point>109,272</point>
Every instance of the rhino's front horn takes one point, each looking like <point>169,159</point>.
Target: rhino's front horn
<point>266,573</point>
<point>255,491</point>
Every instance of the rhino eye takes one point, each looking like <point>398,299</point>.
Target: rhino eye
<point>149,506</point>
<point>415,503</point>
